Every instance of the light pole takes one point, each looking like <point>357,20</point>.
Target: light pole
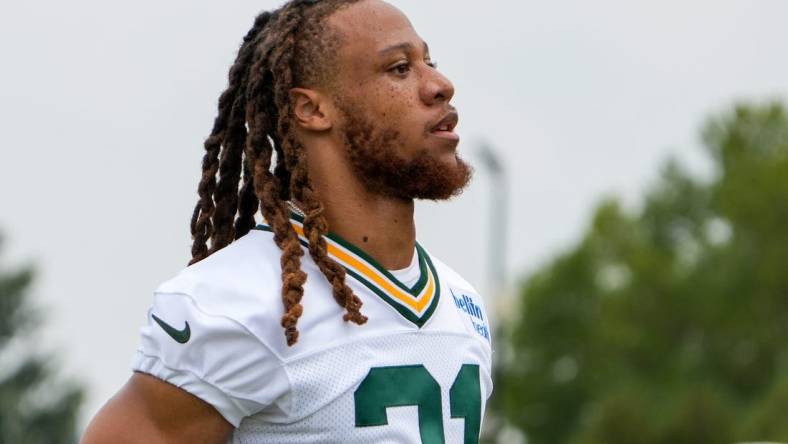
<point>496,274</point>
<point>499,214</point>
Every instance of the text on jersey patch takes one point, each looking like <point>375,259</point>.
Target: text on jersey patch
<point>465,304</point>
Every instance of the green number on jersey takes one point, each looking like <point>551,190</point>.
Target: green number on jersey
<point>465,398</point>
<point>413,385</point>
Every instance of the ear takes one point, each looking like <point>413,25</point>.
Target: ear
<point>309,109</point>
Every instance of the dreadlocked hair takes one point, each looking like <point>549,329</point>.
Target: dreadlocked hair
<point>286,48</point>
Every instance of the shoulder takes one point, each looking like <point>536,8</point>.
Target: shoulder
<point>210,328</point>
<point>241,282</point>
<point>245,271</point>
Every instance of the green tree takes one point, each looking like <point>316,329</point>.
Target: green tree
<point>667,324</point>
<point>34,407</point>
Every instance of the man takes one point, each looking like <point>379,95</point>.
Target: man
<point>256,342</point>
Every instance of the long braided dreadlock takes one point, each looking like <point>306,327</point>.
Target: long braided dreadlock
<point>287,48</point>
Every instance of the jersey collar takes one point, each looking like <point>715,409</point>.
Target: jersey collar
<point>415,303</point>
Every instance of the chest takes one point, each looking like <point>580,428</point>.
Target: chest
<point>419,387</point>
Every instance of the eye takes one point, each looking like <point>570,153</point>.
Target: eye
<point>401,68</point>
<point>431,64</point>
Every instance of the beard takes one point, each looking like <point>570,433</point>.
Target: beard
<point>373,154</point>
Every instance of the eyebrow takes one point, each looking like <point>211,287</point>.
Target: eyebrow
<point>405,46</point>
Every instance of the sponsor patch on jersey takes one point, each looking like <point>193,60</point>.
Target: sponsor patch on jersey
<point>465,303</point>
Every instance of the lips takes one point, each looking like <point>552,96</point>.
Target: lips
<point>447,123</point>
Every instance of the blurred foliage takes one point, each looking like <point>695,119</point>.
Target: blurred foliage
<point>667,324</point>
<point>34,407</point>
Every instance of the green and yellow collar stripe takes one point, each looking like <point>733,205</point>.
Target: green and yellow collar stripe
<point>416,303</point>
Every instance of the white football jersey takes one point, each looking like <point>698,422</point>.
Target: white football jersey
<point>419,371</point>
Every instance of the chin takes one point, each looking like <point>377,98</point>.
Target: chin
<point>450,158</point>
<point>446,158</point>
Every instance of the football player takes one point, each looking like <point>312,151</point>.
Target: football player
<point>327,322</point>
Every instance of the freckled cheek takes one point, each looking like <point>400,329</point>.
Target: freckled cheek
<point>393,106</point>
<point>398,108</point>
<point>395,116</point>
<point>402,99</point>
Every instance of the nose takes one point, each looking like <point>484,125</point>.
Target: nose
<point>436,88</point>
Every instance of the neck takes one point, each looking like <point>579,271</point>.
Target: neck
<point>382,226</point>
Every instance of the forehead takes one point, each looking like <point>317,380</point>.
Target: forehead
<point>371,25</point>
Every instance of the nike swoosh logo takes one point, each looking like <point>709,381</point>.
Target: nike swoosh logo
<point>180,336</point>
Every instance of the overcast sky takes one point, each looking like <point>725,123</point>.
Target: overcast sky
<point>104,106</point>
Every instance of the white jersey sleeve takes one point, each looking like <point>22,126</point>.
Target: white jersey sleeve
<point>211,356</point>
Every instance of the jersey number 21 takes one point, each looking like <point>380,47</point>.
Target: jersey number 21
<point>414,385</point>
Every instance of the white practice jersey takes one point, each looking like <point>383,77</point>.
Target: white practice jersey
<point>419,371</point>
